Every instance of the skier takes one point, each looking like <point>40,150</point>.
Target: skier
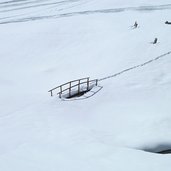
<point>167,22</point>
<point>135,24</point>
<point>155,41</point>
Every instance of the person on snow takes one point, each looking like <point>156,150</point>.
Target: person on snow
<point>155,41</point>
<point>135,24</point>
<point>167,22</point>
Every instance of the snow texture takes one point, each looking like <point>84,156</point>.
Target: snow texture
<point>116,125</point>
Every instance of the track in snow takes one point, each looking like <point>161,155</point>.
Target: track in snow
<point>14,19</point>
<point>136,66</point>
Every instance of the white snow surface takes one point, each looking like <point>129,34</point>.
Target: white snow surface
<point>45,43</point>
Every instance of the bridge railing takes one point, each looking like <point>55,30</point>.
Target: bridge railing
<point>74,87</point>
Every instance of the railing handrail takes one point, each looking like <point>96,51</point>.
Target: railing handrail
<point>70,86</point>
<point>76,85</point>
<point>68,83</point>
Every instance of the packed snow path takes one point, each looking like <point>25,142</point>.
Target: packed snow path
<point>136,66</point>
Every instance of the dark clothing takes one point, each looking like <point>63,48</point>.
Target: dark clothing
<point>167,22</point>
<point>155,41</point>
<point>135,24</point>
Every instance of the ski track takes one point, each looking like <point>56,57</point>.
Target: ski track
<point>33,5</point>
<point>136,66</point>
<point>4,20</point>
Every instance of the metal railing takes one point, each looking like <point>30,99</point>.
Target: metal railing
<point>75,86</point>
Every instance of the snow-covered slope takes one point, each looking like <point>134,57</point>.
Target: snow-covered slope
<point>46,43</point>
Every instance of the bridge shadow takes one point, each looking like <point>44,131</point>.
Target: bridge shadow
<point>86,95</point>
<point>161,148</point>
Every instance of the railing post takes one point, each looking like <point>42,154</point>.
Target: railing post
<point>61,89</point>
<point>60,95</point>
<point>87,83</point>
<point>78,86</point>
<point>96,81</point>
<point>51,93</point>
<point>69,89</point>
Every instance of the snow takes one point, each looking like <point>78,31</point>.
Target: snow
<point>47,43</point>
